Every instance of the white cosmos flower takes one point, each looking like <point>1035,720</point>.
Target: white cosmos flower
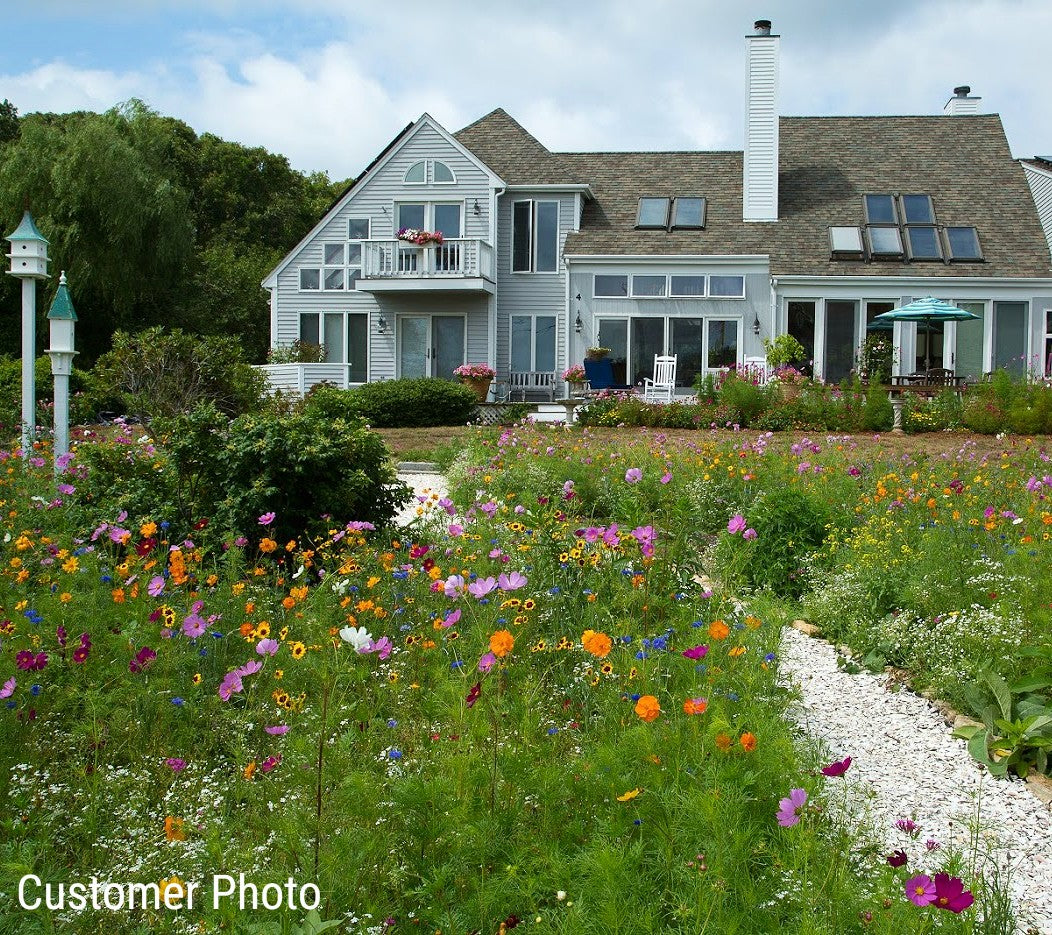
<point>358,637</point>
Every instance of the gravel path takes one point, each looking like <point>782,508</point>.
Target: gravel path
<point>905,764</point>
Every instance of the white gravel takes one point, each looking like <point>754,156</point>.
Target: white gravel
<point>905,763</point>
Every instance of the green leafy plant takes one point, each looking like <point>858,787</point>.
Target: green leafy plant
<point>784,351</point>
<point>413,402</point>
<point>1016,733</point>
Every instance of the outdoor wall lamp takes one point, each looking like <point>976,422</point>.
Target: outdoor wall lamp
<point>578,325</point>
<point>756,324</point>
<point>381,324</point>
<point>477,209</point>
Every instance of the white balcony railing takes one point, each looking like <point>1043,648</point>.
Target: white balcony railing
<point>455,258</point>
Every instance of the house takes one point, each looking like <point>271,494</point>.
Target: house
<point>820,224</point>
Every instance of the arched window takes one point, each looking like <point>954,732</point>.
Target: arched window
<point>443,175</point>
<point>416,174</point>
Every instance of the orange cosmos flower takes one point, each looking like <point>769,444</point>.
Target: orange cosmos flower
<point>267,545</point>
<point>647,708</point>
<point>173,829</point>
<point>718,630</point>
<point>748,742</point>
<point>598,644</point>
<point>501,643</point>
<point>723,742</point>
<point>695,705</point>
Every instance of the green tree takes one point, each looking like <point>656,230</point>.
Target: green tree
<point>8,121</point>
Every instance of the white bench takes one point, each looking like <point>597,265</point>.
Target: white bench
<point>526,383</point>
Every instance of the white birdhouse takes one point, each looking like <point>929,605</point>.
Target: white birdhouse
<point>28,254</point>
<point>62,319</point>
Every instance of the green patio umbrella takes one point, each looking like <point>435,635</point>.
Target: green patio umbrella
<point>926,310</point>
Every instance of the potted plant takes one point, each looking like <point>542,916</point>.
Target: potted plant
<point>784,351</point>
<point>478,377</point>
<point>788,381</point>
<point>596,353</point>
<point>577,378</point>
<point>421,238</point>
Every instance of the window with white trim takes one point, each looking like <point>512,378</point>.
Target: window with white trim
<point>440,173</point>
<point>687,287</point>
<point>344,337</point>
<point>649,286</point>
<point>727,287</point>
<point>606,286</point>
<point>535,236</point>
<point>532,343</point>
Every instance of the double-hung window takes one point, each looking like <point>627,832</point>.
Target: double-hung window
<point>535,237</point>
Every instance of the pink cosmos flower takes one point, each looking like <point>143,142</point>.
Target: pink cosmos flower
<point>920,890</point>
<point>633,476</point>
<point>644,535</point>
<point>611,539</point>
<point>837,768</point>
<point>230,685</point>
<point>194,625</point>
<point>9,688</point>
<point>696,652</point>
<point>156,586</point>
<point>950,893</point>
<point>454,586</point>
<point>249,668</point>
<point>452,617</point>
<point>267,518</point>
<point>666,477</point>
<point>487,662</point>
<point>382,647</point>
<point>267,647</point>
<point>789,809</point>
<point>473,695</point>
<point>455,529</point>
<point>277,730</point>
<point>749,533</point>
<point>511,582</point>
<point>271,762</point>
<point>175,764</point>
<point>736,524</point>
<point>482,586</point>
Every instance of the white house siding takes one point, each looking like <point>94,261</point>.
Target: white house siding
<point>530,293</point>
<point>375,198</point>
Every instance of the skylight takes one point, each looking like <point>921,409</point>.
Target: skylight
<point>880,209</point>
<point>963,243</point>
<point>884,242</point>
<point>653,213</point>
<point>688,213</point>
<point>845,240</point>
<point>923,242</point>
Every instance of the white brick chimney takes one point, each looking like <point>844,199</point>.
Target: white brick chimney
<point>760,182</point>
<point>962,103</point>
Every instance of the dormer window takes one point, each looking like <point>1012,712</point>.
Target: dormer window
<point>688,213</point>
<point>963,245</point>
<point>653,213</point>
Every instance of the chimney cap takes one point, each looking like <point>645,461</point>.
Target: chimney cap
<point>962,90</point>
<point>762,27</point>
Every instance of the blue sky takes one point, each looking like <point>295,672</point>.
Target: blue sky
<point>329,82</point>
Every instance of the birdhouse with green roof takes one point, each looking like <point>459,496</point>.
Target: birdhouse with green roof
<point>28,254</point>
<point>62,319</point>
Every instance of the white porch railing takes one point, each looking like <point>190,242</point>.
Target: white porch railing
<point>298,378</point>
<point>454,258</point>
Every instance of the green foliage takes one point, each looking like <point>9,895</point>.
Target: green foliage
<point>298,352</point>
<point>784,351</point>
<point>876,357</point>
<point>744,400</point>
<point>413,402</point>
<point>935,414</point>
<point>1016,733</point>
<point>877,415</point>
<point>9,128</point>
<point>80,383</point>
<point>161,374</point>
<point>790,524</point>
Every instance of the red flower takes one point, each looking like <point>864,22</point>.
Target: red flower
<point>897,858</point>
<point>837,768</point>
<point>473,695</point>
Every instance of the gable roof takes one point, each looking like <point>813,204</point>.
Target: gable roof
<point>826,165</point>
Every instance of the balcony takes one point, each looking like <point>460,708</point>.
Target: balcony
<point>457,265</point>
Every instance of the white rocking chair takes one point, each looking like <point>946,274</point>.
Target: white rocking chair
<point>662,387</point>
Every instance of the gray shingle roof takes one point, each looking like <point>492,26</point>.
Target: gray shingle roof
<point>826,165</point>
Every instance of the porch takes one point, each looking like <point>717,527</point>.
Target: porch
<point>458,264</point>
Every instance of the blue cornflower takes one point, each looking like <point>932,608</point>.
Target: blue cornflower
<point>178,702</point>
<point>555,590</point>
<point>391,722</point>
<point>35,690</point>
<point>394,754</point>
<point>401,574</point>
<point>456,663</point>
<point>770,657</point>
<point>697,623</point>
<point>552,730</point>
<point>641,654</point>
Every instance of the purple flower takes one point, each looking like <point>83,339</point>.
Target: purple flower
<point>454,586</point>
<point>909,826</point>
<point>382,647</point>
<point>644,535</point>
<point>789,809</point>
<point>749,533</point>
<point>267,647</point>
<point>696,652</point>
<point>156,586</point>
<point>270,763</point>
<point>452,616</point>
<point>230,685</point>
<point>481,587</point>
<point>267,518</point>
<point>277,729</point>
<point>487,662</point>
<point>950,893</point>
<point>142,660</point>
<point>837,768</point>
<point>897,858</point>
<point>920,890</point>
<point>666,477</point>
<point>175,764</point>
<point>455,529</point>
<point>633,476</point>
<point>194,625</point>
<point>736,524</point>
<point>473,695</point>
<point>9,688</point>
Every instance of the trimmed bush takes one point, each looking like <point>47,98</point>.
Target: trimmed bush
<point>411,403</point>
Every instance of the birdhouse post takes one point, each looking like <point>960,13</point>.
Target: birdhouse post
<point>29,260</point>
<point>62,319</point>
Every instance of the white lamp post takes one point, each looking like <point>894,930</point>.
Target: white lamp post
<point>63,322</point>
<point>28,258</point>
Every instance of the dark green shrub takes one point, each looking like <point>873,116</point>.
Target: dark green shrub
<point>744,399</point>
<point>982,413</point>
<point>790,524</point>
<point>301,466</point>
<point>330,402</point>
<point>11,393</point>
<point>877,413</point>
<point>162,374</point>
<point>413,402</point>
<point>1025,418</point>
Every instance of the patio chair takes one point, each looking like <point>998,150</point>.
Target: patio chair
<point>939,376</point>
<point>601,376</point>
<point>661,388</point>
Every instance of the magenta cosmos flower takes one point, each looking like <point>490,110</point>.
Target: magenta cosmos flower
<point>789,809</point>
<point>633,476</point>
<point>950,893</point>
<point>736,524</point>
<point>920,890</point>
<point>837,768</point>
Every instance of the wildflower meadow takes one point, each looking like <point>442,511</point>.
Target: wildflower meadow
<point>550,702</point>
